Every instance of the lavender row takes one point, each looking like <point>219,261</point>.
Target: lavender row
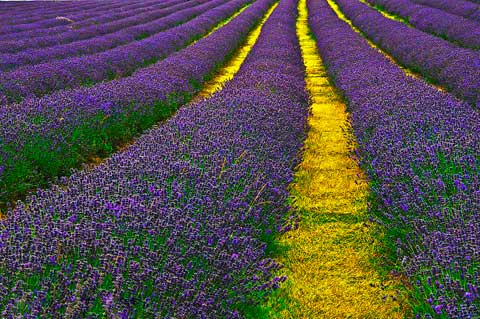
<point>176,226</point>
<point>40,79</point>
<point>24,5</point>
<point>44,138</point>
<point>459,30</point>
<point>87,42</point>
<point>21,10</point>
<point>102,16</point>
<point>462,8</point>
<point>420,148</point>
<point>105,15</point>
<point>457,69</point>
<point>31,20</point>
<point>12,5</point>
<point>103,36</point>
<point>21,16</point>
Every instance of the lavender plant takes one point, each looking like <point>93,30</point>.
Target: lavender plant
<point>44,138</point>
<point>103,36</point>
<point>459,30</point>
<point>457,69</point>
<point>99,38</point>
<point>104,16</point>
<point>462,8</point>
<point>42,17</point>
<point>41,79</point>
<point>420,148</point>
<point>177,224</point>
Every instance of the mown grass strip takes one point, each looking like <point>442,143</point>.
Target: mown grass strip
<point>328,258</point>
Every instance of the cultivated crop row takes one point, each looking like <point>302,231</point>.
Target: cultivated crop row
<point>114,33</point>
<point>96,41</point>
<point>45,78</point>
<point>459,30</point>
<point>14,23</point>
<point>82,25</point>
<point>462,8</point>
<point>21,14</point>
<point>43,138</point>
<point>455,68</point>
<point>181,221</point>
<point>420,148</point>
<point>177,224</point>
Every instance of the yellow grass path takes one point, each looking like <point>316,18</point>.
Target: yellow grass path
<point>232,66</point>
<point>327,259</point>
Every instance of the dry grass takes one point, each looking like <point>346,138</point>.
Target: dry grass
<point>328,258</point>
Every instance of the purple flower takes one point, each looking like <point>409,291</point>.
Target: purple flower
<point>73,218</point>
<point>438,309</point>
<point>52,260</point>
<point>404,207</point>
<point>135,248</point>
<point>461,187</point>
<point>419,140</point>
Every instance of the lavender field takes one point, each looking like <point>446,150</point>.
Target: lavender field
<point>240,159</point>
